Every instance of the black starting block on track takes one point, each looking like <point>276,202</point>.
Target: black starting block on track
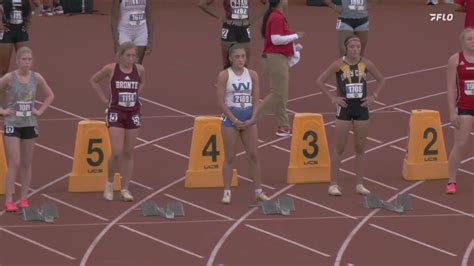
<point>173,209</point>
<point>47,213</point>
<point>401,204</point>
<point>283,205</point>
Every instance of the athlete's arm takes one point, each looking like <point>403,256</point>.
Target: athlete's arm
<point>221,84</point>
<point>150,26</point>
<point>105,72</point>
<point>114,22</point>
<point>141,72</point>
<point>43,85</point>
<point>459,6</point>
<point>372,69</point>
<point>330,4</point>
<point>452,92</point>
<point>320,83</point>
<point>206,6</point>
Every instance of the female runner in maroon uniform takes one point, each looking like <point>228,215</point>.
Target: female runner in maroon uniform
<point>123,113</point>
<point>236,22</point>
<point>460,78</point>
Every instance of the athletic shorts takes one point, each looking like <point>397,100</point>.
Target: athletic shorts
<point>123,119</point>
<point>353,111</point>
<point>461,111</point>
<point>353,24</point>
<point>21,132</point>
<point>243,114</point>
<point>138,35</point>
<point>235,33</point>
<point>17,33</point>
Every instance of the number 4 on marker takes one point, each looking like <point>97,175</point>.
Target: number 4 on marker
<point>212,144</point>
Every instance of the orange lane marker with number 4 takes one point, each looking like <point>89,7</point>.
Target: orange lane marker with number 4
<point>207,155</point>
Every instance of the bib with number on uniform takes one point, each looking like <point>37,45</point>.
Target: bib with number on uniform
<point>354,90</point>
<point>469,87</point>
<point>127,99</point>
<point>137,19</point>
<point>239,9</point>
<point>23,109</point>
<point>356,5</point>
<point>244,99</point>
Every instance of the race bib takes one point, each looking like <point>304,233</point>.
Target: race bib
<point>16,17</point>
<point>137,19</point>
<point>240,13</point>
<point>354,90</point>
<point>357,5</point>
<point>23,109</point>
<point>127,99</point>
<point>469,87</point>
<point>243,99</point>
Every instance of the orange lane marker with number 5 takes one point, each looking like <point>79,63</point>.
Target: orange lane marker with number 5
<point>207,155</point>
<point>91,153</point>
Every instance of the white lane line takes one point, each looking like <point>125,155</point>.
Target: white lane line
<point>466,171</point>
<point>141,185</point>
<point>200,207</point>
<point>37,244</point>
<point>323,206</point>
<point>162,242</point>
<point>375,148</point>
<point>442,205</point>
<point>351,235</point>
<point>402,110</point>
<point>54,151</point>
<point>414,240</point>
<point>104,231</point>
<point>467,254</point>
<point>167,107</point>
<point>251,181</point>
<point>369,179</point>
<point>75,207</point>
<point>231,229</point>
<point>467,160</point>
<point>172,151</point>
<point>398,148</point>
<point>164,137</point>
<point>280,148</point>
<point>288,241</point>
<point>409,101</point>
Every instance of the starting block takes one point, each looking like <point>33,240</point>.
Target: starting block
<point>401,204</point>
<point>173,209</point>
<point>283,205</point>
<point>207,155</point>
<point>426,154</point>
<point>309,155</point>
<point>47,213</point>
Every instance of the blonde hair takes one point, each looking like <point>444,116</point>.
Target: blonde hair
<point>462,36</point>
<point>22,51</point>
<point>124,47</point>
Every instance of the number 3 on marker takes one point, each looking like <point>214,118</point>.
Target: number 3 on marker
<point>211,143</point>
<point>312,143</point>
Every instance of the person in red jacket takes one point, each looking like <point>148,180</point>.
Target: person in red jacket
<point>466,6</point>
<point>278,54</point>
<point>460,81</point>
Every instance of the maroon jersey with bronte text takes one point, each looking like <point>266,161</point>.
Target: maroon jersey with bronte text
<point>465,82</point>
<point>124,89</point>
<point>236,9</point>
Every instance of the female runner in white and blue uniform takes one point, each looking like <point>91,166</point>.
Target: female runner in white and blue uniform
<point>238,97</point>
